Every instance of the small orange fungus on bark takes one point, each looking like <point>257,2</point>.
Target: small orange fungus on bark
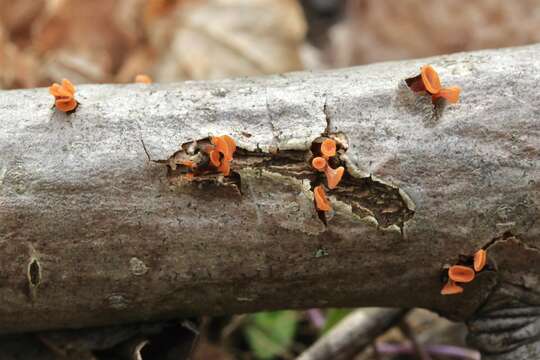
<point>328,148</point>
<point>222,153</point>
<point>321,201</point>
<point>480,258</point>
<point>461,274</point>
<point>451,288</point>
<point>64,96</point>
<point>319,163</point>
<point>450,94</point>
<point>333,176</point>
<point>429,81</point>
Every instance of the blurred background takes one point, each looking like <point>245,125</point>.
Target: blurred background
<point>111,41</point>
<point>172,40</point>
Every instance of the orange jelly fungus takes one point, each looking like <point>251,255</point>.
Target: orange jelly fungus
<point>451,288</point>
<point>430,79</point>
<point>328,148</point>
<point>333,176</point>
<point>143,79</point>
<point>450,94</point>
<point>222,153</point>
<point>319,163</point>
<point>480,258</point>
<point>221,145</point>
<point>321,201</point>
<point>461,274</point>
<point>230,142</point>
<point>64,96</point>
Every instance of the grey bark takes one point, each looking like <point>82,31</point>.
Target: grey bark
<point>94,230</point>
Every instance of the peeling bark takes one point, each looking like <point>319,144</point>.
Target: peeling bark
<point>93,223</point>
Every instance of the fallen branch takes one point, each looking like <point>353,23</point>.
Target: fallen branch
<point>349,337</point>
<point>95,229</point>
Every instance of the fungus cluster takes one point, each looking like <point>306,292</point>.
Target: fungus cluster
<point>326,161</point>
<point>463,273</point>
<point>64,96</point>
<point>428,81</point>
<point>206,156</point>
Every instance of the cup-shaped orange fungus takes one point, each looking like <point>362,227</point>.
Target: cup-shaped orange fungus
<point>430,79</point>
<point>58,91</point>
<point>451,288</point>
<point>66,84</point>
<point>222,146</point>
<point>64,96</point>
<point>333,176</point>
<point>480,258</point>
<point>230,142</point>
<point>461,274</point>
<point>450,94</point>
<point>321,201</point>
<point>66,105</point>
<point>328,148</point>
<point>319,163</point>
<point>143,79</point>
<point>222,153</point>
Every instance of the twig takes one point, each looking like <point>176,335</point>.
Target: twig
<point>447,350</point>
<point>409,333</point>
<point>353,334</point>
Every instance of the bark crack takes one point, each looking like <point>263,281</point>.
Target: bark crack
<point>366,196</point>
<point>275,136</point>
<point>326,114</point>
<point>145,150</point>
<point>142,140</point>
<point>508,235</point>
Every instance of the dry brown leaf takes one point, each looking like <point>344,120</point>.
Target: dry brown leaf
<point>227,38</point>
<point>17,16</point>
<point>113,40</point>
<point>378,30</point>
<point>18,68</point>
<point>76,34</point>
